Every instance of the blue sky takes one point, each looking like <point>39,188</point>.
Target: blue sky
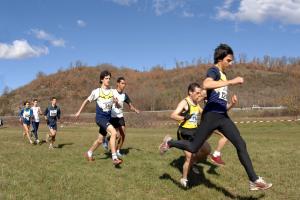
<point>47,35</point>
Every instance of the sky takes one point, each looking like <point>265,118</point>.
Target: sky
<point>49,35</point>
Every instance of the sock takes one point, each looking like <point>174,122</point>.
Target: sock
<point>216,153</point>
<point>118,151</point>
<point>90,153</point>
<point>114,156</point>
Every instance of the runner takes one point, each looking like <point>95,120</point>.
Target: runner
<point>104,97</point>
<point>187,113</point>
<point>117,116</point>
<point>26,115</point>
<point>36,120</point>
<point>52,114</point>
<point>215,117</point>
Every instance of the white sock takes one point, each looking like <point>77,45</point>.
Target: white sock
<point>90,153</point>
<point>216,153</point>
<point>114,156</point>
<point>118,151</point>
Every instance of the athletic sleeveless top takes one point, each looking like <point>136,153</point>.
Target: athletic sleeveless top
<point>216,98</point>
<point>104,102</point>
<point>194,111</point>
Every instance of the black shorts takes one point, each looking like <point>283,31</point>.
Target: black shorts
<point>103,124</point>
<point>186,133</point>
<point>117,122</point>
<point>52,125</point>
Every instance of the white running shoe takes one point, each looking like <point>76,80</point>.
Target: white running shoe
<point>184,182</point>
<point>119,154</point>
<point>164,147</point>
<point>105,143</point>
<point>51,146</point>
<point>259,184</point>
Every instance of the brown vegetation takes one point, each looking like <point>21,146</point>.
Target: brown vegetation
<point>267,83</point>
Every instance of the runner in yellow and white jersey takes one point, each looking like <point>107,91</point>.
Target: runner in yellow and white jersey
<point>105,99</point>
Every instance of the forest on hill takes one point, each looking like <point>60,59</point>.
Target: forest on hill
<point>268,82</point>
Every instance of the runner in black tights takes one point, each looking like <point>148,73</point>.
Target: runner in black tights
<point>215,116</point>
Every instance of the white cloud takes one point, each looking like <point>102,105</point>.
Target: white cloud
<point>21,49</point>
<point>165,6</point>
<point>58,42</point>
<point>125,2</point>
<point>187,14</point>
<point>43,35</point>
<point>284,11</point>
<point>81,23</point>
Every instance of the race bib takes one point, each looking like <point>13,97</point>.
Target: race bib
<point>26,115</point>
<point>53,113</point>
<point>194,118</point>
<point>107,106</point>
<point>222,93</point>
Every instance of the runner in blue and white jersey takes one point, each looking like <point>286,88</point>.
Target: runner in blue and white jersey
<point>52,115</point>
<point>26,115</point>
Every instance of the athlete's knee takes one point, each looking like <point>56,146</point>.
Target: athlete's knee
<point>99,140</point>
<point>193,149</point>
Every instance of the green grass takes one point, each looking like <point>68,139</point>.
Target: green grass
<point>35,172</point>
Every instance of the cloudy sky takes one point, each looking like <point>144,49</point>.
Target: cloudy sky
<point>47,35</point>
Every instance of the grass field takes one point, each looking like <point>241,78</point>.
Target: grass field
<point>35,172</point>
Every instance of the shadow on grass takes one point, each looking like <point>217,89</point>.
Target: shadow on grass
<point>178,163</point>
<point>198,179</point>
<point>64,144</point>
<point>123,152</point>
<point>127,150</point>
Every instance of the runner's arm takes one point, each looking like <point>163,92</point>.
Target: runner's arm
<point>182,106</point>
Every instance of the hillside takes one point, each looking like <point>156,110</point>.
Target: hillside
<point>156,89</point>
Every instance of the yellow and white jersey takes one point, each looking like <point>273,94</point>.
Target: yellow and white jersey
<point>103,98</point>
<point>194,111</point>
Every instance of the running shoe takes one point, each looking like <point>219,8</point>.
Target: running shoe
<point>105,143</point>
<point>90,159</point>
<point>217,160</point>
<point>164,147</point>
<point>184,182</point>
<point>117,161</point>
<point>259,184</point>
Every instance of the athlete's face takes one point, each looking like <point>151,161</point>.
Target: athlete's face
<point>226,62</point>
<point>196,95</point>
<point>106,81</point>
<point>27,105</point>
<point>35,103</point>
<point>121,85</point>
<point>53,102</point>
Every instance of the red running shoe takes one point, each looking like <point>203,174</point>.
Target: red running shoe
<point>117,161</point>
<point>217,160</point>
